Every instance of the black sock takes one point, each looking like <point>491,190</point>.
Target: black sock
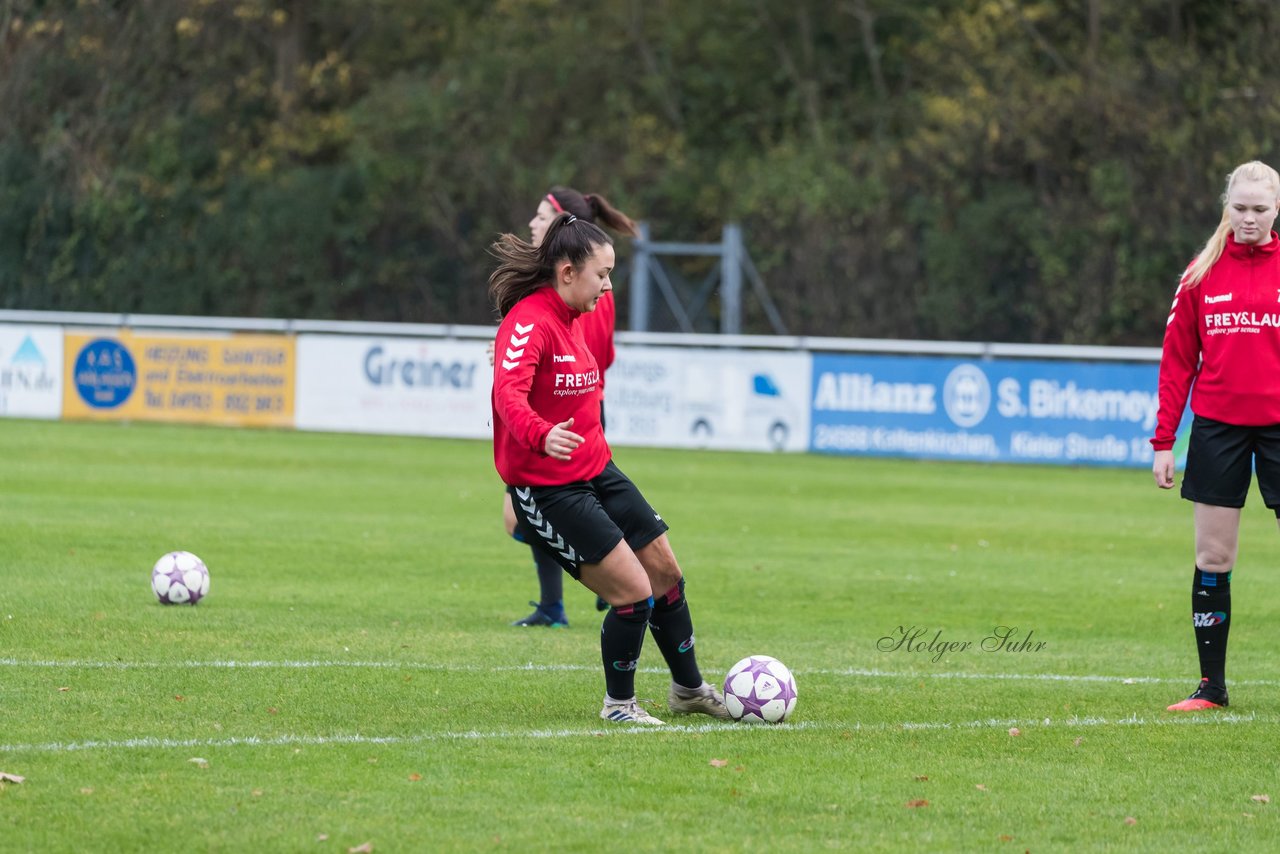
<point>621,637</point>
<point>550,580</point>
<point>1211,616</point>
<point>672,628</point>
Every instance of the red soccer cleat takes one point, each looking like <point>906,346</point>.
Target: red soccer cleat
<point>1207,696</point>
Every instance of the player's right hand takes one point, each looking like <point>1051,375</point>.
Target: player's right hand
<point>1162,469</point>
<point>561,441</point>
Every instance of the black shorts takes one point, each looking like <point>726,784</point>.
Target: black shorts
<point>581,522</point>
<point>1221,459</point>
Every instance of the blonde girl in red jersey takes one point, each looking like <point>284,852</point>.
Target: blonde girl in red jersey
<point>1222,347</point>
<point>569,497</point>
<point>597,329</point>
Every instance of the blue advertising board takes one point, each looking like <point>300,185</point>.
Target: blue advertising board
<point>1002,410</point>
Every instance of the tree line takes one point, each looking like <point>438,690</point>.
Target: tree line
<point>997,170</point>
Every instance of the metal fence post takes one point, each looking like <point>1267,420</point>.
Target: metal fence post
<point>638,287</point>
<point>731,280</point>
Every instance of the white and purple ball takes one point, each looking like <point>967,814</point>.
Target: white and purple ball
<point>180,578</point>
<point>760,689</point>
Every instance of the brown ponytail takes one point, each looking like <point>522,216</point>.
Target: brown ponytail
<point>609,216</point>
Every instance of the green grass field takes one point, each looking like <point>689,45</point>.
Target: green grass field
<point>352,677</point>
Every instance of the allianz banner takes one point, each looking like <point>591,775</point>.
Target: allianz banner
<point>1076,413</point>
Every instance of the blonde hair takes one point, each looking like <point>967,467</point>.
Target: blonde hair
<point>1254,170</point>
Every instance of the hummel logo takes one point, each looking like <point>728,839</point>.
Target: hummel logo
<point>516,350</point>
<point>534,517</point>
<point>559,358</point>
<point>1220,298</point>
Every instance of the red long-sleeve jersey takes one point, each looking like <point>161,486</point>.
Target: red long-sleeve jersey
<point>544,374</point>
<point>1224,335</point>
<point>597,331</point>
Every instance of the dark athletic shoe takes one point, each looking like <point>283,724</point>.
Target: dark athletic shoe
<point>703,700</point>
<point>552,618</point>
<point>1207,696</point>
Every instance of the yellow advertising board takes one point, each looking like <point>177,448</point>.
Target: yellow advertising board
<point>230,379</point>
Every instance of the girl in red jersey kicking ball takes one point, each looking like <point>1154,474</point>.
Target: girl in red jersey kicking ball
<point>1222,345</point>
<point>569,497</point>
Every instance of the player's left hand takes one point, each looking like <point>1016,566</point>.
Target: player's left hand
<point>561,441</point>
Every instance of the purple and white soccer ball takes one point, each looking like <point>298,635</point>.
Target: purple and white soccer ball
<point>760,689</point>
<point>180,578</point>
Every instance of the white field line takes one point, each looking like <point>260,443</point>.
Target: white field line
<point>1074,722</point>
<point>873,673</point>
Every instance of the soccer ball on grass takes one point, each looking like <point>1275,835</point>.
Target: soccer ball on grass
<point>180,578</point>
<point>760,689</point>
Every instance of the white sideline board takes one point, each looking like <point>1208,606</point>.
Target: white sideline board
<point>30,371</point>
<point>408,386</point>
<point>672,397</point>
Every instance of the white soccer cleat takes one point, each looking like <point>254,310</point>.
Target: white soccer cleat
<point>628,712</point>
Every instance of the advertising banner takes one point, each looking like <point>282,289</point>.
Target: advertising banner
<point>1080,413</point>
<point>409,386</point>
<point>30,371</point>
<point>749,400</point>
<point>198,378</point>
